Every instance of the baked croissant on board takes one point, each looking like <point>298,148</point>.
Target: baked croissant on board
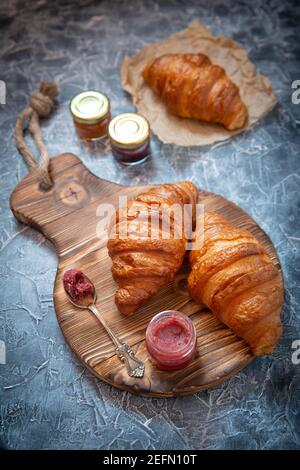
<point>192,87</point>
<point>234,277</point>
<point>141,265</point>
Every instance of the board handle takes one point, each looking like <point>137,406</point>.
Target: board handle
<point>67,207</point>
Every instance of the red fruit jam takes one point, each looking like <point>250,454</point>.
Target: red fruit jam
<point>77,285</point>
<point>171,340</point>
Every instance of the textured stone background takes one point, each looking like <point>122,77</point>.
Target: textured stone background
<point>48,400</point>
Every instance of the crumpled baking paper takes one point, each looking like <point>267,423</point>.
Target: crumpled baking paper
<point>255,90</point>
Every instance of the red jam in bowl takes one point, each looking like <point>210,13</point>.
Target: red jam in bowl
<point>171,340</point>
<point>77,285</point>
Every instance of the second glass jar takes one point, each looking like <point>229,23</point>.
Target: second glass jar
<point>91,114</point>
<point>129,135</point>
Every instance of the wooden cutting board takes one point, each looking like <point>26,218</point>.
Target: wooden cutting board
<point>67,215</point>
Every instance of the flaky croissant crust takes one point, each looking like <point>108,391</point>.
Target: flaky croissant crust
<point>191,86</point>
<point>234,277</point>
<point>141,265</point>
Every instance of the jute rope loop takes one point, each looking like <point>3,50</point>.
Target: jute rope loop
<point>41,105</point>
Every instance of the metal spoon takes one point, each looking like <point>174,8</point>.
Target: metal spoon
<point>134,366</point>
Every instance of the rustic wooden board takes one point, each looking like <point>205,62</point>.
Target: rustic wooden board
<point>66,215</point>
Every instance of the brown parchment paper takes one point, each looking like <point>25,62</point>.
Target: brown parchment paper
<point>255,90</point>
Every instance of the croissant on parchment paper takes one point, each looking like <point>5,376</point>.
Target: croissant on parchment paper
<point>192,87</point>
<point>148,257</point>
<point>234,277</point>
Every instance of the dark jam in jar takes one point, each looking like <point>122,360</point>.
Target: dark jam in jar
<point>129,135</point>
<point>77,285</point>
<point>91,114</point>
<point>171,340</point>
<point>131,156</point>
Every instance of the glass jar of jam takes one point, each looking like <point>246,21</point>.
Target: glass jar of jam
<point>91,114</point>
<point>129,135</point>
<point>171,340</point>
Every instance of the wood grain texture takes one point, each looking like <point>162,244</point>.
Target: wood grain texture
<point>67,216</point>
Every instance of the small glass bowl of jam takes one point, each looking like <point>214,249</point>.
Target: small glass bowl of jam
<point>129,135</point>
<point>91,114</point>
<point>171,340</point>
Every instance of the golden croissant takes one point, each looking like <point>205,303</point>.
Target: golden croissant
<point>146,253</point>
<point>234,277</point>
<point>192,87</point>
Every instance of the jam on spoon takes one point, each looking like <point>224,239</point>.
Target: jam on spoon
<point>81,292</point>
<point>78,286</point>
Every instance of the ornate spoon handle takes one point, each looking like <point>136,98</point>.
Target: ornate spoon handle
<point>134,366</point>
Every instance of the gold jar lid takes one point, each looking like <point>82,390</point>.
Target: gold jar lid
<point>89,107</point>
<point>128,130</point>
